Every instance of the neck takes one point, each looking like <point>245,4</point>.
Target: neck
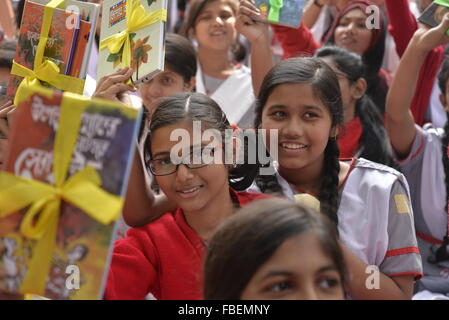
<point>215,63</point>
<point>206,220</point>
<point>306,179</point>
<point>349,113</point>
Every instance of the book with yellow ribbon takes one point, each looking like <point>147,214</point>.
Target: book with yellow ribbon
<point>47,45</point>
<point>62,192</point>
<point>132,35</point>
<point>59,45</point>
<point>282,12</point>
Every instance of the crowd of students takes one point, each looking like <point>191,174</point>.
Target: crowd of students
<point>366,141</point>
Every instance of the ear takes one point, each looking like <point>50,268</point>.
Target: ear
<point>358,88</point>
<point>188,86</point>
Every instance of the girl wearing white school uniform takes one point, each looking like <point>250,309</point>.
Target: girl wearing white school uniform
<point>370,203</point>
<point>211,25</point>
<point>422,155</point>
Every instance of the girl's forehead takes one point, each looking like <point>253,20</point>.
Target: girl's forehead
<point>216,5</point>
<point>355,13</point>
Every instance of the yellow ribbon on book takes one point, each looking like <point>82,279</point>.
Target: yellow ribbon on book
<point>81,190</point>
<point>46,70</point>
<point>136,18</point>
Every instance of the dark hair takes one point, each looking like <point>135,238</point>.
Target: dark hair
<point>441,253</point>
<point>180,57</point>
<point>244,242</point>
<point>192,106</point>
<point>374,139</point>
<point>195,9</point>
<point>7,52</point>
<point>325,86</point>
<point>372,57</point>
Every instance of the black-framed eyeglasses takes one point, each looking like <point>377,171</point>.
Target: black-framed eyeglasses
<point>194,160</point>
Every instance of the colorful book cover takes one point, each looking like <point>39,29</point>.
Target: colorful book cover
<point>147,44</point>
<point>289,12</point>
<point>83,245</point>
<point>89,13</point>
<point>81,48</point>
<point>59,45</point>
<point>434,14</point>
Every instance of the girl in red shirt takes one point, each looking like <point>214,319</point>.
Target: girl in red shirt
<point>165,257</point>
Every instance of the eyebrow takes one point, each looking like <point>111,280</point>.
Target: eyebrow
<point>164,153</point>
<point>274,273</point>
<point>353,18</point>
<point>281,106</point>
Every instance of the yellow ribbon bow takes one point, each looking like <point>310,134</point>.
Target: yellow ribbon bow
<point>81,190</point>
<point>46,70</point>
<point>136,18</point>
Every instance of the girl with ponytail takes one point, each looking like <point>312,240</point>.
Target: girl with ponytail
<point>423,156</point>
<point>300,99</point>
<point>364,134</point>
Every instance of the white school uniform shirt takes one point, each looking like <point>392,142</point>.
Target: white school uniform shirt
<point>235,95</point>
<point>375,217</point>
<point>424,170</point>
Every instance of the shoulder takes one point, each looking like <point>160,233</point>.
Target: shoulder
<point>371,166</point>
<point>369,173</point>
<point>164,223</point>
<point>248,197</point>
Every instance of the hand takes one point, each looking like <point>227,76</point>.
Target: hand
<point>7,112</point>
<point>112,87</point>
<point>427,39</point>
<point>247,25</point>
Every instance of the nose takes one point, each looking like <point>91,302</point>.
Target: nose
<point>352,27</point>
<point>218,20</point>
<point>154,89</point>
<point>293,129</point>
<point>308,293</point>
<point>183,173</point>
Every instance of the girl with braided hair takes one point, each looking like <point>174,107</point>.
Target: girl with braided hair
<point>369,202</point>
<point>364,133</point>
<point>423,156</point>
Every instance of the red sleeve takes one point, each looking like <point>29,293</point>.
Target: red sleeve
<point>402,23</point>
<point>132,273</point>
<point>402,27</point>
<point>295,42</point>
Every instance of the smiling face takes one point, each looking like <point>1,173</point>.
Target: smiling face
<point>298,270</point>
<point>164,84</point>
<point>191,189</point>
<point>303,123</point>
<point>215,26</point>
<point>352,33</point>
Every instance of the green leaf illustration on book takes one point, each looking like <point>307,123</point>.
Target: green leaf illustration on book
<point>140,54</point>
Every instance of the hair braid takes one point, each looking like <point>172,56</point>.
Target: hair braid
<point>329,198</point>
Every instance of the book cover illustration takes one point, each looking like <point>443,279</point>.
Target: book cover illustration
<point>59,43</point>
<point>83,245</point>
<point>288,12</point>
<point>147,44</point>
<point>434,14</point>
